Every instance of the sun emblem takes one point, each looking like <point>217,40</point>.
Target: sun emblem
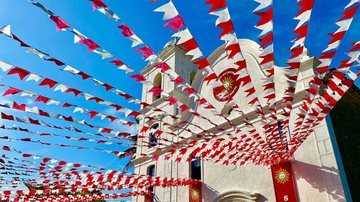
<point>195,194</point>
<point>228,83</point>
<point>230,87</point>
<point>282,176</point>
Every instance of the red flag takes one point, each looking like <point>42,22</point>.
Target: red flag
<point>134,114</point>
<point>93,114</point>
<point>117,107</point>
<point>265,16</point>
<point>146,52</point>
<point>112,119</point>
<point>176,23</point>
<point>66,105</point>
<point>349,13</point>
<point>42,99</point>
<point>305,6</point>
<point>126,30</point>
<point>155,90</point>
<point>234,49</point>
<point>216,4</point>
<point>11,91</point>
<point>189,90</point>
<point>183,108</point>
<point>97,100</point>
<point>21,72</point>
<point>126,96</point>
<point>178,80</point>
<point>117,62</point>
<point>48,82</point>
<point>68,118</point>
<point>202,63</point>
<point>138,77</point>
<point>210,77</point>
<point>22,44</point>
<point>245,80</point>
<point>172,100</point>
<point>144,129</point>
<point>43,113</point>
<point>6,148</point>
<point>90,44</point>
<point>284,182</point>
<point>189,45</point>
<point>107,86</point>
<point>266,39</point>
<point>34,121</point>
<point>21,107</point>
<point>227,27</point>
<point>98,4</point>
<point>72,90</point>
<point>5,116</point>
<point>83,75</point>
<point>163,66</point>
<point>250,91</point>
<point>56,61</point>
<point>60,23</point>
<point>106,130</point>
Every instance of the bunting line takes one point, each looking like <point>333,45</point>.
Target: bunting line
<point>327,56</point>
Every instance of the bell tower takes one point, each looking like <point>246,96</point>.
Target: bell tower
<point>150,140</point>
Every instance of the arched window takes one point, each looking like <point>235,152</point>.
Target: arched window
<point>153,139</point>
<point>157,83</point>
<point>192,77</point>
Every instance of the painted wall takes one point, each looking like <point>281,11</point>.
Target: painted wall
<point>314,166</point>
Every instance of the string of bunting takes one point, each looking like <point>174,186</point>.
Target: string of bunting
<point>46,100</point>
<point>170,10</point>
<point>36,110</point>
<point>120,179</point>
<point>172,100</point>
<point>265,25</point>
<point>78,139</point>
<point>327,56</point>
<point>298,51</point>
<point>233,48</point>
<point>187,40</point>
<point>82,197</point>
<point>59,145</point>
<point>238,145</point>
<point>152,51</point>
<point>11,91</point>
<point>128,33</point>
<point>148,54</point>
<point>128,112</point>
<point>338,84</point>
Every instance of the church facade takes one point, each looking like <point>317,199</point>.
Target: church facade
<point>316,168</point>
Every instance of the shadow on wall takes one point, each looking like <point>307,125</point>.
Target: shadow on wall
<point>209,194</point>
<point>318,176</point>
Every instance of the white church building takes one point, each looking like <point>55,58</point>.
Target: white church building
<point>317,168</point>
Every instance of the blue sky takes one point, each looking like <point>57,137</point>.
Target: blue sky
<point>34,27</point>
